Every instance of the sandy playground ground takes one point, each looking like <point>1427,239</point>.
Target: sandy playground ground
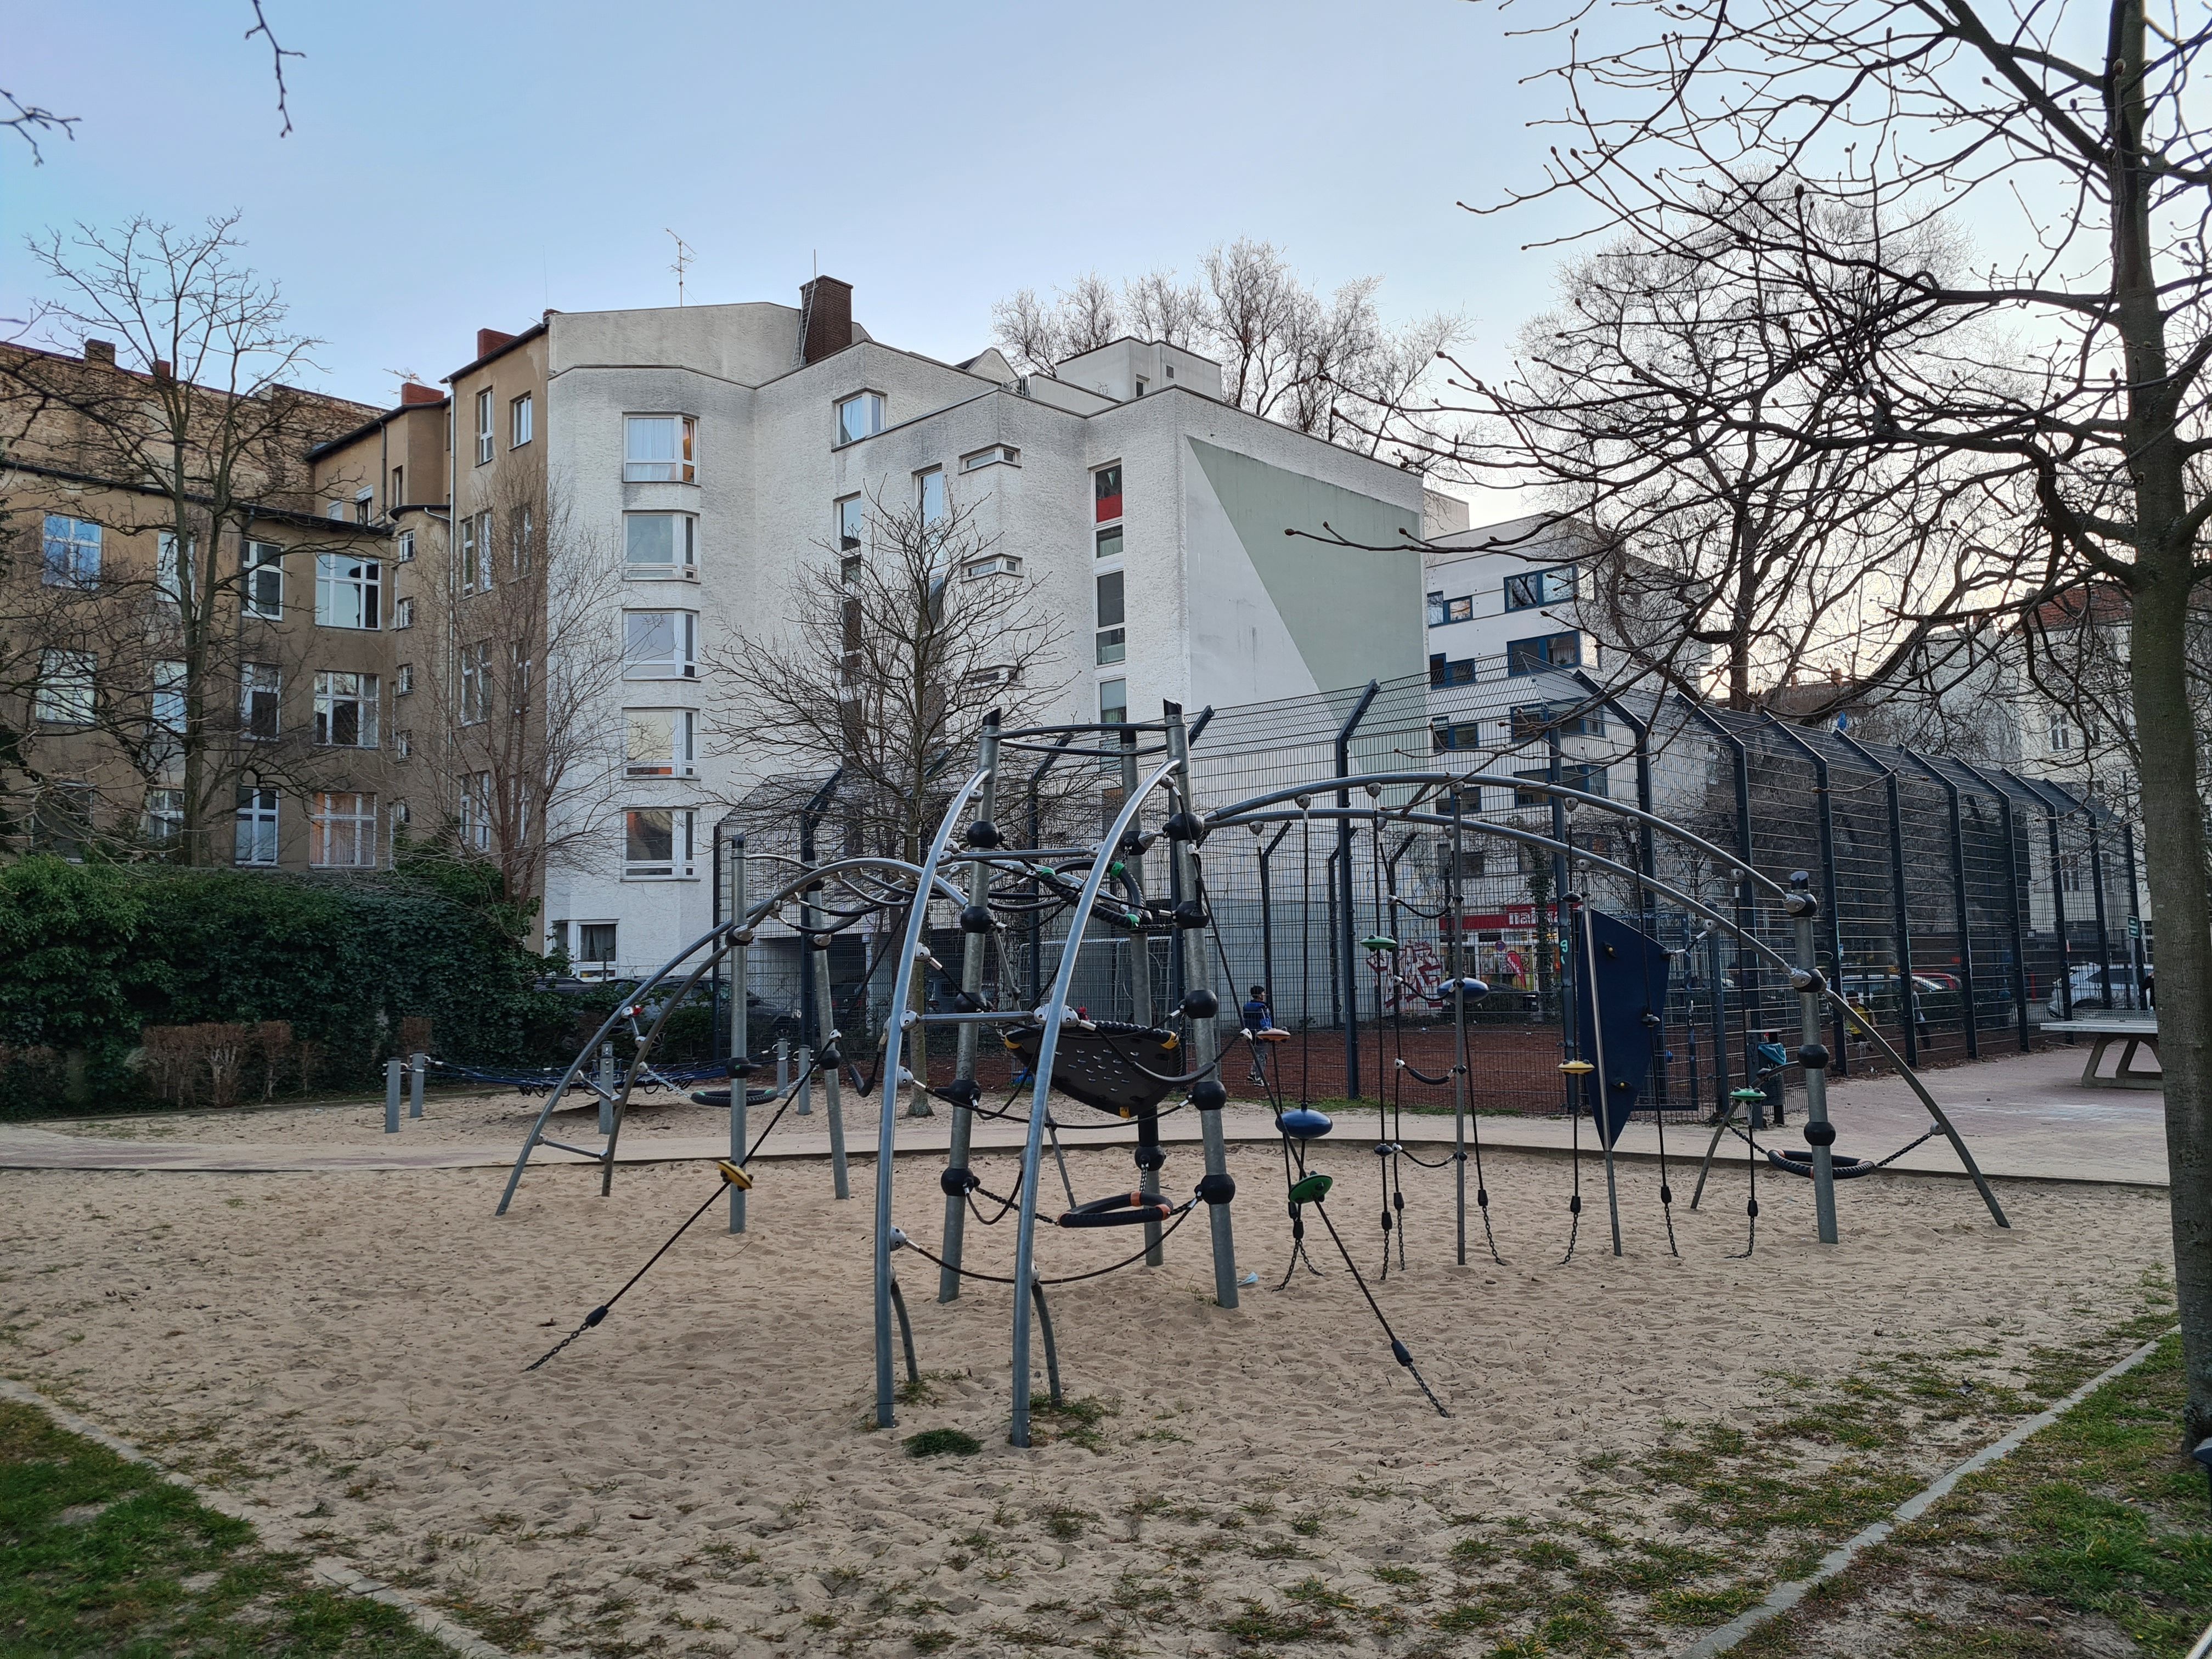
<point>698,1475</point>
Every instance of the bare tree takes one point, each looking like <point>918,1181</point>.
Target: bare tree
<point>213,432</point>
<point>2069,363</point>
<point>525,748</point>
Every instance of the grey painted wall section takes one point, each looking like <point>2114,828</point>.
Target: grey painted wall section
<point>1353,615</point>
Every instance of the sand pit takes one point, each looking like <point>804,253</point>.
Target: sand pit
<point>697,1475</point>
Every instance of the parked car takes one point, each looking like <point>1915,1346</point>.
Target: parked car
<point>2094,988</point>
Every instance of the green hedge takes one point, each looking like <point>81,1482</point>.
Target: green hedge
<point>97,952</point>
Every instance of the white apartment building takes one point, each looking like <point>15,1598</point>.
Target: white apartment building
<point>726,449</point>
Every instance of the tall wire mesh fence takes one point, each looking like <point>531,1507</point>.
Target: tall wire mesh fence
<point>1962,906</point>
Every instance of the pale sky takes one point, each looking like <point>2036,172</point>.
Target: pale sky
<point>458,166</point>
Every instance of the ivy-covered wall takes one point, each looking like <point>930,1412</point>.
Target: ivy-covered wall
<point>91,954</point>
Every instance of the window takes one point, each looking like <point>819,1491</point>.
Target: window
<point>468,555</point>
<point>1141,384</point>
<point>169,696</point>
<point>1113,637</point>
<point>263,564</point>
<point>662,743</point>
<point>404,551</point>
<point>996,455</point>
<point>2069,873</point>
<point>345,710</point>
<point>1442,611</point>
<point>1450,671</point>
<point>480,539</point>
<point>342,831</point>
<point>660,545</point>
<point>483,426</point>
<point>346,591</point>
<point>1543,651</point>
<point>595,945</point>
<point>2060,733</point>
<point>64,695</point>
<point>520,550</point>
<point>1587,778</point>
<point>403,612</point>
<point>259,688</point>
<point>657,449</point>
<point>72,552</point>
<point>1112,702</point>
<point>476,811</point>
<point>517,684</point>
<point>364,505</point>
<point>169,571</point>
<point>402,747</point>
<point>929,494</point>
<point>401,818</point>
<point>1106,492</point>
<point>403,679</point>
<point>656,841</point>
<point>1534,587</point>
<point>476,681</point>
<point>852,524</point>
<point>1454,734</point>
<point>335,510</point>
<point>660,645</point>
<point>164,819</point>
<point>861,415</point>
<point>996,564</point>
<point>1531,721</point>
<point>1110,543</point>
<point>256,826</point>
<point>520,414</point>
<point>398,489</point>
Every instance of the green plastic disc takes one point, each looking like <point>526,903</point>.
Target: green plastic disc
<point>1311,1190</point>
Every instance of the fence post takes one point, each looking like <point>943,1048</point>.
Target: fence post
<point>2057,896</point>
<point>1825,809</point>
<point>812,1019</point>
<point>1958,904</point>
<point>2012,901</point>
<point>2137,1000</point>
<point>1345,929</point>
<point>1745,989</point>
<point>1909,1001</point>
<point>1565,959</point>
<point>740,1026</point>
<point>2097,892</point>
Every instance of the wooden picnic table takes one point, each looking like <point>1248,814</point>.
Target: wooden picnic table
<point>2134,1033</point>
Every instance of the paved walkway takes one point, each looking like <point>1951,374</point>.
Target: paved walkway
<point>2026,1117</point>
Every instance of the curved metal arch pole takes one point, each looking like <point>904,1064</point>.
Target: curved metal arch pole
<point>1244,811</point>
<point>894,1044</point>
<point>972,948</point>
<point>1063,979</point>
<point>1757,945</point>
<point>720,931</point>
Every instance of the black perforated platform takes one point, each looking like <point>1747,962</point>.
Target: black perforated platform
<point>1094,1066</point>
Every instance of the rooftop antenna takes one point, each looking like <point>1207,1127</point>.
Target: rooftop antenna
<point>684,257</point>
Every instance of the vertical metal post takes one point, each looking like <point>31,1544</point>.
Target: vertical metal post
<point>1455,906</point>
<point>782,1065</point>
<point>2057,899</point>
<point>607,1090</point>
<point>416,1068</point>
<point>829,1045</point>
<point>1204,1034</point>
<point>392,1097</point>
<point>1344,928</point>
<point>1825,808</point>
<point>802,1065</point>
<point>1967,1012</point>
<point>1561,962</point>
<point>973,947</point>
<point>2097,892</point>
<point>2136,999</point>
<point>1819,1134</point>
<point>2014,917</point>
<point>1132,859</point>
<point>741,938</point>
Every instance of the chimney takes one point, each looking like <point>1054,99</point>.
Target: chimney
<point>103,351</point>
<point>162,368</point>
<point>490,340</point>
<point>827,306</point>
<point>412,392</point>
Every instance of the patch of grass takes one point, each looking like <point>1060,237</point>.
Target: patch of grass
<point>939,1442</point>
<point>933,1641</point>
<point>922,1390</point>
<point>1260,1626</point>
<point>1076,1421</point>
<point>96,1553</point>
<point>1065,1523</point>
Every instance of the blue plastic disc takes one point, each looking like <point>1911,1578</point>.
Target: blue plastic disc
<point>1304,1123</point>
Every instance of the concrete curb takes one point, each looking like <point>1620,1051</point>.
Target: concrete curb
<point>1784,1597</point>
<point>341,1574</point>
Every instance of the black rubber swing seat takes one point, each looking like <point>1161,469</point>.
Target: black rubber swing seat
<point>1107,1065</point>
<point>1800,1163</point>
<point>1121,1210</point>
<point>722,1097</point>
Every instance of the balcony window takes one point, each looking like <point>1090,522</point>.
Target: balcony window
<point>658,449</point>
<point>861,415</point>
<point>260,689</point>
<point>345,710</point>
<point>1113,637</point>
<point>348,590</point>
<point>342,831</point>
<point>660,645</point>
<point>521,419</point>
<point>1454,734</point>
<point>1442,611</point>
<point>1450,671</point>
<point>1112,702</point>
<point>72,552</point>
<point>264,581</point>
<point>660,545</point>
<point>656,841</point>
<point>64,692</point>
<point>1528,588</point>
<point>663,743</point>
<point>1106,492</point>
<point>256,826</point>
<point>1543,651</point>
<point>483,427</point>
